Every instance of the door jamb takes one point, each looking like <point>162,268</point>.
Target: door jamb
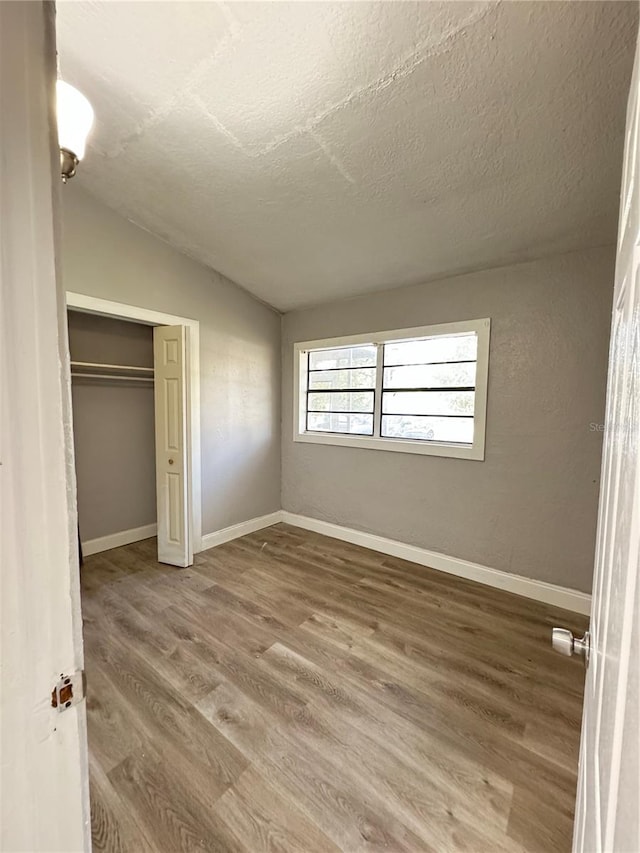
<point>146,316</point>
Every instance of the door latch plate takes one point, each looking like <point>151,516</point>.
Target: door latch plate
<point>68,691</point>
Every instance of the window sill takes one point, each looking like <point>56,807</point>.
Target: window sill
<point>422,448</point>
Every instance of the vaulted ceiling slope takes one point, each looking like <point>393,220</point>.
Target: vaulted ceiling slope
<point>311,151</point>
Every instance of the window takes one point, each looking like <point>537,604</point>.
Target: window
<point>414,390</point>
<point>340,390</point>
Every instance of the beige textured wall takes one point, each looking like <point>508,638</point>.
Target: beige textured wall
<point>530,507</point>
<point>104,255</point>
<point>113,428</point>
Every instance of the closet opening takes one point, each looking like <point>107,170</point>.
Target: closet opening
<point>136,427</point>
<point>114,430</point>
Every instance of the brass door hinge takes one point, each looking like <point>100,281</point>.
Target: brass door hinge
<point>70,690</point>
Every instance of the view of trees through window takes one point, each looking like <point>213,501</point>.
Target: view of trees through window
<point>428,389</point>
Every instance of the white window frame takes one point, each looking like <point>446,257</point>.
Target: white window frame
<point>476,451</point>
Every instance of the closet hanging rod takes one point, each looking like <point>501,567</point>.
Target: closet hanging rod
<point>97,365</point>
<point>120,377</point>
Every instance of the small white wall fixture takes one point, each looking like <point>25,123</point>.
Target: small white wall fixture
<point>146,316</point>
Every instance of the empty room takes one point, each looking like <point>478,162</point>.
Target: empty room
<point>321,426</point>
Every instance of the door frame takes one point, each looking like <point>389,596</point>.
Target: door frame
<point>148,317</point>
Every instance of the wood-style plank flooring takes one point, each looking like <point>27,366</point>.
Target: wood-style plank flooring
<point>290,692</point>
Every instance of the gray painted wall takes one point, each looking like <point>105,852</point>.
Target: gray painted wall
<point>104,255</point>
<point>530,507</point>
<point>113,427</point>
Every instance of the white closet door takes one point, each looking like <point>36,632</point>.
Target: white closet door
<point>172,488</point>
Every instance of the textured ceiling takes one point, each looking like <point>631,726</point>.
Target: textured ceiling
<point>310,151</point>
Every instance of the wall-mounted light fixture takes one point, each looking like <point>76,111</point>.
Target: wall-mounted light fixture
<point>75,118</point>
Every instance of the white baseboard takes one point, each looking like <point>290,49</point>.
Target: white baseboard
<point>560,596</point>
<point>218,537</point>
<point>115,540</point>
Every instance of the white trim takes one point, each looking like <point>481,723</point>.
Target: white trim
<point>559,596</point>
<point>115,540</point>
<point>218,537</point>
<point>431,448</point>
<point>482,328</point>
<point>124,311</point>
<point>137,314</point>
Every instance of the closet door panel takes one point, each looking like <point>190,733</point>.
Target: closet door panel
<point>174,539</point>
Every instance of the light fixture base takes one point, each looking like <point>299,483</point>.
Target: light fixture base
<point>68,164</point>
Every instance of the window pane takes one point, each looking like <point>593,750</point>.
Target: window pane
<point>431,376</point>
<point>431,350</point>
<point>330,359</point>
<point>452,430</point>
<point>327,379</point>
<point>428,402</point>
<point>352,424</point>
<point>349,401</point>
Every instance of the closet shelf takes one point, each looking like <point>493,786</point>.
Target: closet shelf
<point>120,377</point>
<point>125,368</point>
<point>113,372</point>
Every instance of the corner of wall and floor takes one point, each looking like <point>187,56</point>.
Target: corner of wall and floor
<point>523,520</point>
<point>536,476</point>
